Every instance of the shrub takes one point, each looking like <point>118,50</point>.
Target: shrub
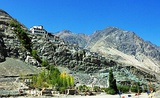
<point>83,88</point>
<point>123,88</point>
<point>80,88</point>
<point>45,63</point>
<point>62,89</point>
<point>96,88</point>
<point>134,89</point>
<point>103,89</point>
<point>110,91</point>
<point>35,55</point>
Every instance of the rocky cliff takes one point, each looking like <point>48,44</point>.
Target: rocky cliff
<point>2,49</point>
<point>11,47</point>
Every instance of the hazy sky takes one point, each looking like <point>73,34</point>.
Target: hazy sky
<point>87,16</point>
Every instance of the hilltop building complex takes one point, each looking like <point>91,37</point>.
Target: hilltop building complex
<point>38,30</point>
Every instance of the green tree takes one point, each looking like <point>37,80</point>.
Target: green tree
<point>53,78</point>
<point>71,81</point>
<point>36,56</point>
<point>112,82</point>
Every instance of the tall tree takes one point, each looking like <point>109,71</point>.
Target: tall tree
<point>112,81</point>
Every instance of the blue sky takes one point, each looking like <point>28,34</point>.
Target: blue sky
<point>87,16</point>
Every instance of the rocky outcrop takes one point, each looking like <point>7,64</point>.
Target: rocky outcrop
<point>10,45</point>
<point>13,46</point>
<point>2,50</point>
<point>59,52</point>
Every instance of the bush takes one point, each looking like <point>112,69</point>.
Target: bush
<point>103,89</point>
<point>134,89</point>
<point>83,88</point>
<point>110,91</point>
<point>62,89</point>
<point>45,63</point>
<point>80,88</point>
<point>35,55</point>
<point>96,88</point>
<point>123,88</point>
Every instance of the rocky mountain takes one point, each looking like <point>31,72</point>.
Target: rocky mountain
<point>126,47</point>
<point>86,66</point>
<point>78,39</point>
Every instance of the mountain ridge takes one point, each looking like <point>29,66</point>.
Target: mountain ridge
<point>127,43</point>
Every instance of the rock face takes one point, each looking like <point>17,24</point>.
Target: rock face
<point>4,17</point>
<point>9,42</point>
<point>61,53</point>
<point>2,50</point>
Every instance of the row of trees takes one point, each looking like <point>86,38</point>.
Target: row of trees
<point>53,78</point>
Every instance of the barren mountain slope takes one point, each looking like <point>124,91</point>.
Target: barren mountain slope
<point>125,47</point>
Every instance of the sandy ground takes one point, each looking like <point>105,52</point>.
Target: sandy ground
<point>144,95</point>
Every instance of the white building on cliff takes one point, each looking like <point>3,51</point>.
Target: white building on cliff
<point>38,30</point>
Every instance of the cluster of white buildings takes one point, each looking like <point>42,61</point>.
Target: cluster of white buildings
<point>38,30</point>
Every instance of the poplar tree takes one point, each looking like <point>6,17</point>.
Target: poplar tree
<point>112,82</point>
